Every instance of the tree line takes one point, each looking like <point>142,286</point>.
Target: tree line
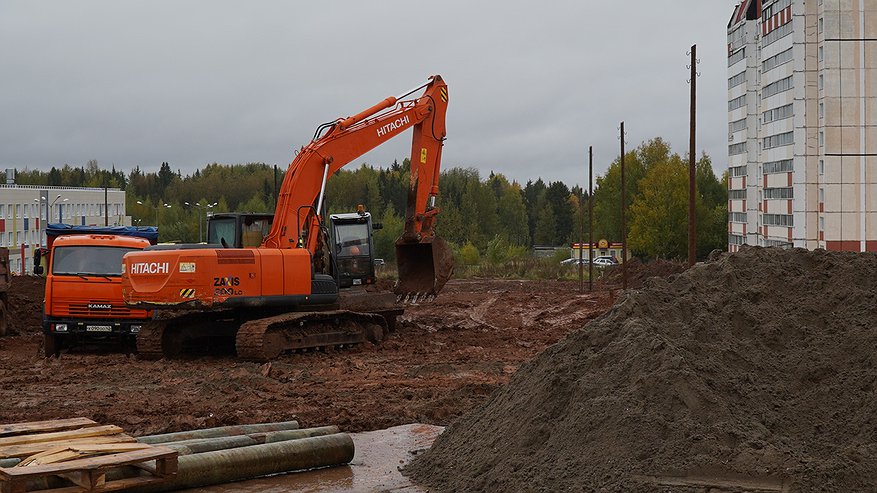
<point>479,214</point>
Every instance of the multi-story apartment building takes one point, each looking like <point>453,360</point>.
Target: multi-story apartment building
<point>802,124</point>
<point>25,210</point>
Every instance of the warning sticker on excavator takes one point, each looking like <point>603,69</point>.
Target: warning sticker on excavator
<point>423,155</point>
<point>444,93</point>
<point>187,267</point>
<point>187,293</point>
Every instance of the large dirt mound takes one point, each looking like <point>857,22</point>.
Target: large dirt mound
<point>760,363</point>
<point>26,295</point>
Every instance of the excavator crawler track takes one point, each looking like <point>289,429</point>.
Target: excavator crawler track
<point>267,338</point>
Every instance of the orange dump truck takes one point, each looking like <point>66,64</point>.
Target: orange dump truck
<point>83,300</point>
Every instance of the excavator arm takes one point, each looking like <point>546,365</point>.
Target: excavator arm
<point>424,260</point>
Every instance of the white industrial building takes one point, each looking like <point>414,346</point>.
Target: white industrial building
<point>802,124</point>
<point>26,209</point>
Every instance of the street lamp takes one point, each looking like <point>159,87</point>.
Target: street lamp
<point>60,218</point>
<point>157,208</point>
<point>199,207</point>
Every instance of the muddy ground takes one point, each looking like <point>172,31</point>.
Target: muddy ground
<point>443,359</point>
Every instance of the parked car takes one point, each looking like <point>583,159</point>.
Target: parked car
<point>574,261</point>
<point>605,261</point>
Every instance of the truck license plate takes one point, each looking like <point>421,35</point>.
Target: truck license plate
<point>99,328</point>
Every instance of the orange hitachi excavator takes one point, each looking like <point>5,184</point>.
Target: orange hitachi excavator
<point>284,295</point>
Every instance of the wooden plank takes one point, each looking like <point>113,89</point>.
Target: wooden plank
<point>61,435</point>
<point>104,461</point>
<point>119,484</point>
<point>45,426</point>
<point>26,450</point>
<point>63,453</point>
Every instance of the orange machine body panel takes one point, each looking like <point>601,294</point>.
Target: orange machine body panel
<point>79,301</point>
<point>217,276</point>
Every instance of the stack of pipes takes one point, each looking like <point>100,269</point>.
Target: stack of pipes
<point>235,453</point>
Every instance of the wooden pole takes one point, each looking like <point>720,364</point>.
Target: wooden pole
<point>591,218</point>
<point>623,224</point>
<point>692,184</point>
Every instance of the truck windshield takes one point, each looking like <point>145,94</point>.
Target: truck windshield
<point>89,260</point>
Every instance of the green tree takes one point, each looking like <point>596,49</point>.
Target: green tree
<point>546,225</point>
<point>659,223</point>
<point>513,221</point>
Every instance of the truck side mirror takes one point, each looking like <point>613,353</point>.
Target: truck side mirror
<point>377,226</point>
<point>37,256</point>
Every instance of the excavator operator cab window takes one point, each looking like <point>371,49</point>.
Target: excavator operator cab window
<point>253,230</point>
<point>353,254</point>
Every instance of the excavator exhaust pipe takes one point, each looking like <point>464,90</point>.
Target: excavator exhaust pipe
<point>424,268</point>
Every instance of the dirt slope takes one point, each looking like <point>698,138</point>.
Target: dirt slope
<point>760,363</point>
<point>444,358</point>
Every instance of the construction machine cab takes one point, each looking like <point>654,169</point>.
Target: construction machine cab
<point>353,248</point>
<point>238,229</point>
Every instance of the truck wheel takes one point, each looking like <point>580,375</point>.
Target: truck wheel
<point>52,345</point>
<point>4,319</point>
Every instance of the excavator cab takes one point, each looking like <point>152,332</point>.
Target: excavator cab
<point>353,248</point>
<point>238,229</point>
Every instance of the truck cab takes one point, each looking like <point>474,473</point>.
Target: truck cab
<point>83,297</point>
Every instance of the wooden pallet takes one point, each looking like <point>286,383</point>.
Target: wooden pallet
<point>80,451</point>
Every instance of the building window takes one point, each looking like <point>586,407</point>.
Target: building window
<point>821,224</point>
<point>737,171</point>
<point>778,193</point>
<point>737,125</point>
<point>776,114</point>
<point>821,82</point>
<point>820,25</point>
<point>736,56</point>
<point>738,217</point>
<point>777,87</point>
<point>737,194</point>
<point>822,195</point>
<point>738,148</point>
<point>738,102</point>
<point>821,110</point>
<point>820,53</point>
<point>735,239</point>
<point>737,80</point>
<point>778,33</point>
<point>821,138</point>
<point>821,167</point>
<point>776,60</point>
<point>779,140</point>
<point>778,220</point>
<point>782,166</point>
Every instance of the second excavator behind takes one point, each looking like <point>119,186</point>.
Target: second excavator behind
<point>294,290</point>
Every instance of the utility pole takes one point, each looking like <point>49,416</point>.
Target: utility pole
<point>623,224</point>
<point>591,218</point>
<point>692,184</point>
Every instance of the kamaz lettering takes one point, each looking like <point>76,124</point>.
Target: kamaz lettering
<point>150,268</point>
<point>394,125</point>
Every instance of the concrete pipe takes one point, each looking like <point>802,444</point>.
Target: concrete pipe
<point>282,436</point>
<point>224,431</point>
<point>224,466</point>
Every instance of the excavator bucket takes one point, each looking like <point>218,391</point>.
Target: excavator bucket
<point>424,268</point>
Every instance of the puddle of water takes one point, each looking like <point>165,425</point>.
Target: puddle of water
<point>375,467</point>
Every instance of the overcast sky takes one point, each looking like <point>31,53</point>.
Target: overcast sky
<point>532,84</point>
